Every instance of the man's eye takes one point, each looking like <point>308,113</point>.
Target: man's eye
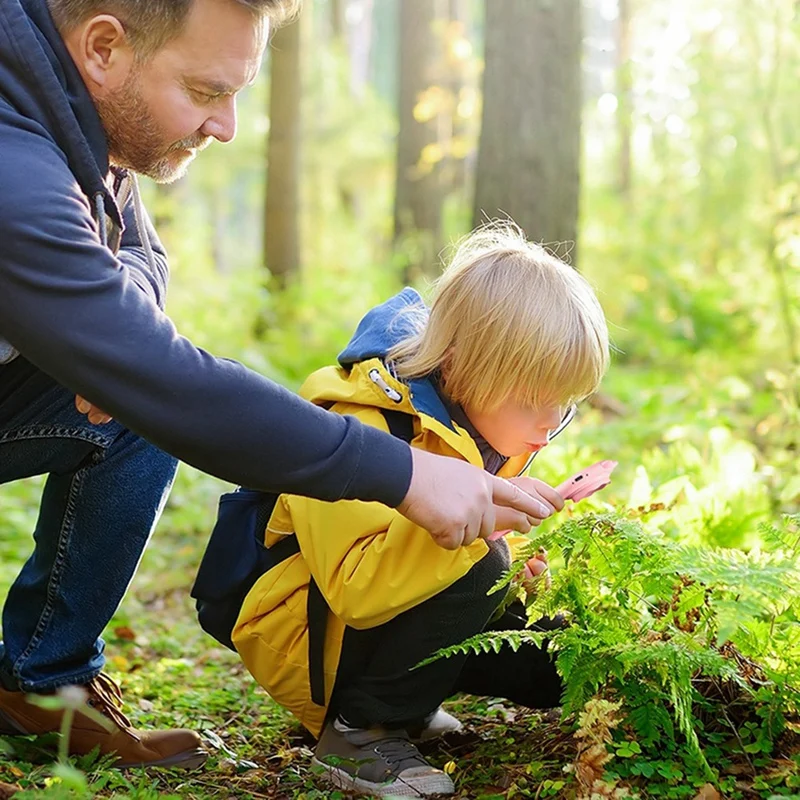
<point>203,97</point>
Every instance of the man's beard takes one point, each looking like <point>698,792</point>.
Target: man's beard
<point>135,141</point>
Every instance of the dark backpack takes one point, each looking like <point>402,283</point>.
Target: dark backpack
<point>236,557</point>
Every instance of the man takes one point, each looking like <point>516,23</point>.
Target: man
<point>92,91</point>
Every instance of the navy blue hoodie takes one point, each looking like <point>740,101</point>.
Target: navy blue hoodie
<point>89,314</point>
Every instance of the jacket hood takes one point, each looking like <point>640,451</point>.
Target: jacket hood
<point>382,328</point>
<point>40,81</point>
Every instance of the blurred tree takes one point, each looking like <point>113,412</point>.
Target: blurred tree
<point>420,177</point>
<point>624,97</point>
<point>339,20</point>
<point>281,213</point>
<point>462,77</point>
<point>359,29</point>
<point>529,153</point>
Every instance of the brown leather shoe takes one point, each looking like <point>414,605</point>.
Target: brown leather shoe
<point>179,748</point>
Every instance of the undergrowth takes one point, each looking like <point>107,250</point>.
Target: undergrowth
<point>681,663</point>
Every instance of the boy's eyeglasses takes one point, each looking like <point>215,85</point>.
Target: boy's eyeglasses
<point>565,420</point>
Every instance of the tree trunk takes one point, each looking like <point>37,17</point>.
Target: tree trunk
<point>339,20</point>
<point>529,153</point>
<point>281,215</point>
<point>461,81</point>
<point>420,187</point>
<point>624,97</point>
<point>360,47</point>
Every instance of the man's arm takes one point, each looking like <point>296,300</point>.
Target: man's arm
<point>76,312</point>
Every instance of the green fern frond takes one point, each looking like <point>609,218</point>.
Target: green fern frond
<point>786,538</point>
<point>491,642</point>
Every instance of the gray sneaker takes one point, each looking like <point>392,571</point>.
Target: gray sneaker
<point>378,762</point>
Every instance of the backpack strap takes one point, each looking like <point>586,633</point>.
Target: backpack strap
<point>317,611</point>
<point>401,426</point>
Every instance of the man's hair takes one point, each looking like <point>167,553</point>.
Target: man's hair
<point>508,321</point>
<point>150,24</point>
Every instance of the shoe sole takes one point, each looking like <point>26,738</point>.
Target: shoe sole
<point>189,759</point>
<point>10,728</point>
<point>437,785</point>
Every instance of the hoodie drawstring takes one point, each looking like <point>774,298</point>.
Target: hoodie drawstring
<point>100,207</point>
<point>138,214</point>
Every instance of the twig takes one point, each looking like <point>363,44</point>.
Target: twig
<point>739,739</point>
<point>251,792</point>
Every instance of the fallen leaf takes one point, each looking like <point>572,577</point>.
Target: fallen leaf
<point>708,792</point>
<point>8,790</point>
<point>126,633</point>
<point>121,664</point>
<point>738,769</point>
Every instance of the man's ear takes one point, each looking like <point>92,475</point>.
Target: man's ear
<point>103,53</point>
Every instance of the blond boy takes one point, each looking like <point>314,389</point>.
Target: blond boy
<point>513,338</point>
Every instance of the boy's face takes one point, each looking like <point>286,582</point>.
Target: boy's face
<point>514,429</point>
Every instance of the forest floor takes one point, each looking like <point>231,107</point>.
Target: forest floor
<point>173,675</point>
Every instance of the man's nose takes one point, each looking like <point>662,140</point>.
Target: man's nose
<point>222,124</point>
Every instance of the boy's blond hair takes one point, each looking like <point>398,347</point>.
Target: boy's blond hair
<point>509,321</point>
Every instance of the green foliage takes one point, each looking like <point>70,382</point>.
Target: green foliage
<point>675,634</point>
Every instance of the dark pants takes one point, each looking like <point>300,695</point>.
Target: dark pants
<point>105,491</point>
<point>376,684</point>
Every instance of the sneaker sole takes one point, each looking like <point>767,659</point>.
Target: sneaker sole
<point>190,759</point>
<point>436,785</point>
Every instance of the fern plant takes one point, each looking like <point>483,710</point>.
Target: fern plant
<point>695,644</point>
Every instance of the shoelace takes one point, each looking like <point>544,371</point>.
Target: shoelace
<point>396,751</point>
<point>106,697</point>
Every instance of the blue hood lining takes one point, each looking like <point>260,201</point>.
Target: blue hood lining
<point>382,328</point>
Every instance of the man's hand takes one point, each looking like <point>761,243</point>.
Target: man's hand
<point>457,502</point>
<point>541,491</point>
<point>96,416</point>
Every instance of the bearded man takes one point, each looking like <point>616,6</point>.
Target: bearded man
<point>92,92</point>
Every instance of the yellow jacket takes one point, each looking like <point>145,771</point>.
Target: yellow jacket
<point>369,562</point>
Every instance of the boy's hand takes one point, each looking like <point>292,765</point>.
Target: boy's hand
<point>536,569</point>
<point>456,502</point>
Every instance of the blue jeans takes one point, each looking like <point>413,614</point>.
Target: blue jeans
<point>105,490</point>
